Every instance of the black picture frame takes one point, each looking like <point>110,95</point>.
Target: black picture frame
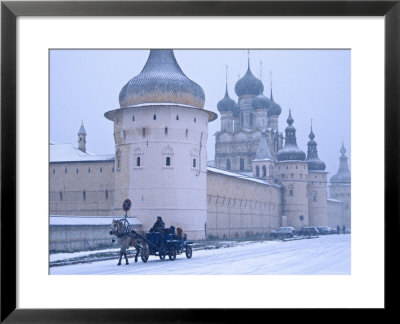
<point>10,10</point>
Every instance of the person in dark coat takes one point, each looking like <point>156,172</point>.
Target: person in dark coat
<point>338,229</point>
<point>159,225</point>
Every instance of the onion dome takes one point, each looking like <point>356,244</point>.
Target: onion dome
<point>275,109</point>
<point>263,152</point>
<point>314,163</point>
<point>226,104</point>
<point>249,84</point>
<point>343,175</point>
<point>161,81</point>
<point>290,152</point>
<point>260,102</point>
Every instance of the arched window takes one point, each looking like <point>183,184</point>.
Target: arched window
<point>257,171</point>
<point>138,161</point>
<point>89,170</point>
<point>61,196</point>
<point>101,170</point>
<point>84,195</point>
<point>154,117</point>
<point>241,164</point>
<point>144,132</point>
<point>168,154</point>
<point>133,118</point>
<point>264,171</point>
<point>118,159</point>
<point>66,171</point>
<point>194,119</point>
<point>77,170</point>
<point>186,132</point>
<point>194,163</point>
<point>291,190</point>
<point>166,131</point>
<point>177,117</point>
<point>106,194</point>
<point>54,171</point>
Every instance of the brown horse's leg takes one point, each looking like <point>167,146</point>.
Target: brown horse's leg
<point>137,253</point>
<point>120,257</point>
<point>126,258</point>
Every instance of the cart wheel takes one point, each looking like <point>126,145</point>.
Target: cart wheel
<point>162,256</point>
<point>172,254</point>
<point>188,251</point>
<point>143,256</point>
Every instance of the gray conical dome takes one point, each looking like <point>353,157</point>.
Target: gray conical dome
<point>249,84</point>
<point>290,152</point>
<point>161,81</point>
<point>82,130</point>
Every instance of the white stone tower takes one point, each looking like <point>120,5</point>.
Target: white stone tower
<point>82,138</point>
<point>340,187</point>
<point>317,188</point>
<point>292,171</point>
<point>160,134</point>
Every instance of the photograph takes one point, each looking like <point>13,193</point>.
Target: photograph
<point>199,161</point>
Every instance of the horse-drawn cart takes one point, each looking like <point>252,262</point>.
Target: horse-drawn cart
<point>162,244</point>
<point>152,243</point>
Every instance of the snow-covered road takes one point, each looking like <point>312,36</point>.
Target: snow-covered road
<point>324,255</point>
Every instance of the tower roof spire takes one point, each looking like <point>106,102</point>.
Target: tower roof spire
<point>82,130</point>
<point>343,175</point>
<point>263,152</point>
<point>291,152</point>
<point>314,163</point>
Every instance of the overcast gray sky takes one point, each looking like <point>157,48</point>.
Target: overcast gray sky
<point>314,84</point>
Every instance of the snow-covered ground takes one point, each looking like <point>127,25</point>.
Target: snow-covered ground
<point>328,254</point>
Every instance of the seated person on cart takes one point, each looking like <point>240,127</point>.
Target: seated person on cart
<point>159,225</point>
<point>158,231</point>
<point>179,233</point>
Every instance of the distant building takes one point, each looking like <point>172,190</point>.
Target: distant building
<point>259,180</point>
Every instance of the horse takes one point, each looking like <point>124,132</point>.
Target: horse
<point>126,238</point>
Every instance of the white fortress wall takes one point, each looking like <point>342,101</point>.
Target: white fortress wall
<point>81,188</point>
<point>240,207</point>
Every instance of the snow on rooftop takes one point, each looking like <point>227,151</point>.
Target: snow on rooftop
<point>88,220</point>
<point>334,200</point>
<point>247,177</point>
<point>70,153</point>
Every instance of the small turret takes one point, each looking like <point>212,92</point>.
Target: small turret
<point>263,165</point>
<point>82,138</point>
<point>343,175</point>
